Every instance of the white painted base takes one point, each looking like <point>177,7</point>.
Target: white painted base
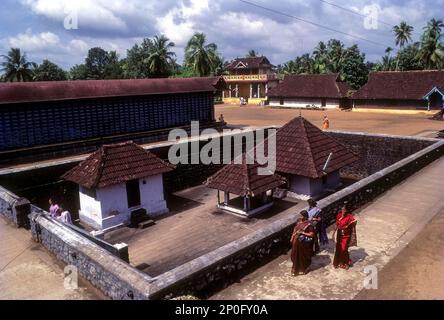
<point>245,214</point>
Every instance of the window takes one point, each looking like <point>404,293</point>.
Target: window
<point>324,102</point>
<point>281,102</point>
<point>133,193</point>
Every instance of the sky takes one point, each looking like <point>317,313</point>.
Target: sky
<point>63,30</point>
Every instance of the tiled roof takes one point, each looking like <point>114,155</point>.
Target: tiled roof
<point>82,89</point>
<point>249,63</point>
<point>243,179</point>
<point>400,85</point>
<point>116,163</point>
<point>311,86</point>
<point>303,149</point>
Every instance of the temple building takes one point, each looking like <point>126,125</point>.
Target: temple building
<point>309,159</point>
<point>308,91</point>
<point>41,114</point>
<point>253,191</point>
<point>249,78</point>
<point>117,182</point>
<point>423,90</point>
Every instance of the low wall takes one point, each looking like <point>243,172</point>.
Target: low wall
<point>222,266</point>
<point>106,272</point>
<point>15,208</point>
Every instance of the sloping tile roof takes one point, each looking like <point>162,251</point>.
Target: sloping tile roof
<point>310,86</point>
<point>82,89</point>
<point>250,63</point>
<point>400,85</point>
<point>303,149</point>
<point>116,163</point>
<point>243,179</point>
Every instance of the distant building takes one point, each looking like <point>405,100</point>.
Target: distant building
<point>254,191</point>
<point>302,91</point>
<point>36,114</point>
<point>422,90</point>
<point>117,181</point>
<point>249,78</point>
<point>309,159</point>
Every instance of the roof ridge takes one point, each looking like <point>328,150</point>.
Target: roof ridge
<point>312,162</point>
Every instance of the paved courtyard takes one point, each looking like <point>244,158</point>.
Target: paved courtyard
<point>385,228</point>
<point>388,122</point>
<point>194,227</point>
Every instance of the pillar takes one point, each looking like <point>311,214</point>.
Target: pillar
<point>428,103</point>
<point>226,198</point>
<point>266,89</point>
<point>258,90</point>
<point>218,197</point>
<point>223,94</point>
<point>246,203</point>
<point>251,90</point>
<point>229,90</point>
<point>237,90</point>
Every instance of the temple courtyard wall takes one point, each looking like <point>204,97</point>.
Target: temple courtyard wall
<point>386,161</point>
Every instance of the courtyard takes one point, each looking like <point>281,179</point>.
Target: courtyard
<point>393,122</point>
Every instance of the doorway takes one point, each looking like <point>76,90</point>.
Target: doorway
<point>133,193</point>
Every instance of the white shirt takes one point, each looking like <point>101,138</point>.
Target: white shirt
<point>65,217</point>
<point>313,212</point>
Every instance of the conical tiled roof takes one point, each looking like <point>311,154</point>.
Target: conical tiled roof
<point>244,179</point>
<point>303,149</point>
<point>116,163</point>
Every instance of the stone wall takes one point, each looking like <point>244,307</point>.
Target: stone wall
<point>377,151</point>
<point>111,275</point>
<point>224,265</point>
<point>15,208</point>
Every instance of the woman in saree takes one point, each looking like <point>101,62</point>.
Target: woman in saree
<point>302,245</point>
<point>345,238</point>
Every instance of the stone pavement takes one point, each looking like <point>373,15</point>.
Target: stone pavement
<point>385,227</point>
<point>28,271</point>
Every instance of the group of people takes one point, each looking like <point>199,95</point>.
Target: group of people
<point>56,211</point>
<point>310,232</point>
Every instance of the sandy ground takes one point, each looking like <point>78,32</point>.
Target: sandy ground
<point>417,272</point>
<point>384,122</point>
<point>29,271</point>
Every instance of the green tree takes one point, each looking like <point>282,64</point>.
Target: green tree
<point>16,67</point>
<point>135,66</point>
<point>408,58</point>
<point>252,54</point>
<point>431,52</point>
<point>353,68</point>
<point>160,61</point>
<point>403,35</point>
<point>200,57</point>
<point>48,71</point>
<point>78,72</point>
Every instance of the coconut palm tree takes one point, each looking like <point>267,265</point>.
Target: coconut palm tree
<point>201,57</point>
<point>16,68</point>
<point>403,34</point>
<point>320,58</point>
<point>252,54</point>
<point>434,28</point>
<point>431,52</point>
<point>160,60</point>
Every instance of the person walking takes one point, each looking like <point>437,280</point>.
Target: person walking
<point>345,237</point>
<point>302,245</point>
<point>326,123</point>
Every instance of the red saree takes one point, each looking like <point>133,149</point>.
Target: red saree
<point>345,237</point>
<point>301,251</point>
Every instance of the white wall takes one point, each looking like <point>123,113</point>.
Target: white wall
<point>110,208</point>
<point>302,103</point>
<point>152,196</point>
